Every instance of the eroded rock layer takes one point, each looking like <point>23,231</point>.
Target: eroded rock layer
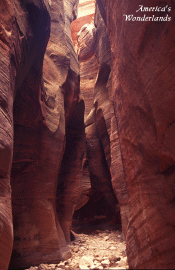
<point>40,143</point>
<point>95,61</point>
<point>41,107</point>
<point>51,161</point>
<point>130,128</point>
<point>143,97</point>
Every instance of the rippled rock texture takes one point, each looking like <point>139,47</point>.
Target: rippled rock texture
<point>143,97</point>
<point>40,103</point>
<point>127,83</point>
<point>130,130</point>
<point>25,29</point>
<point>95,67</point>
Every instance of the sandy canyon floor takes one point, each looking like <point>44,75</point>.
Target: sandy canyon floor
<point>96,250</point>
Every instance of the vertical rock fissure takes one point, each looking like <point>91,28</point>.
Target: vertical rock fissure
<point>91,43</point>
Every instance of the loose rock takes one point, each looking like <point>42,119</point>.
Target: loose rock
<point>86,262</point>
<point>105,263</point>
<point>99,250</point>
<point>43,267</point>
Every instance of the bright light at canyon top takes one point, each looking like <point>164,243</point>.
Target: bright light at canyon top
<point>86,11</point>
<point>86,7</point>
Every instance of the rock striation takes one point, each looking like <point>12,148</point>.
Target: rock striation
<point>86,11</point>
<point>130,128</point>
<point>59,147</point>
<point>95,67</point>
<point>88,64</point>
<point>142,96</point>
<point>25,29</point>
<point>40,102</point>
<point>45,128</point>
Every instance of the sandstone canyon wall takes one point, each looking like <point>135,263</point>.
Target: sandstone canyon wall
<point>95,84</point>
<point>51,158</point>
<point>130,130</point>
<point>41,99</point>
<point>143,96</point>
<point>23,43</point>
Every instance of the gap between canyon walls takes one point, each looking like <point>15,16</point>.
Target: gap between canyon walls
<point>86,127</point>
<point>92,46</point>
<point>59,162</point>
<point>129,124</point>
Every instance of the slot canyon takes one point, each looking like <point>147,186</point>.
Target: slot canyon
<point>87,134</point>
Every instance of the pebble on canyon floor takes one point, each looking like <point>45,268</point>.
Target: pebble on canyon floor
<point>99,250</point>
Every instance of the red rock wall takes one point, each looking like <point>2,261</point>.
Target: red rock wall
<point>95,60</point>
<point>83,31</point>
<point>132,125</point>
<point>143,97</point>
<point>36,161</point>
<point>88,64</point>
<point>106,122</point>
<point>43,106</point>
<point>74,183</point>
<point>8,72</point>
<point>77,24</point>
<point>73,180</point>
<point>23,41</point>
<point>129,131</point>
<point>43,114</point>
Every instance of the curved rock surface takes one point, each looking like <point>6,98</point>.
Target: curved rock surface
<point>46,124</point>
<point>25,29</point>
<point>143,96</point>
<point>95,61</point>
<point>132,120</point>
<point>43,106</point>
<point>51,161</point>
<point>88,64</point>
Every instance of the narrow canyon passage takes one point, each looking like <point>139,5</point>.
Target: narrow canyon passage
<point>97,239</point>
